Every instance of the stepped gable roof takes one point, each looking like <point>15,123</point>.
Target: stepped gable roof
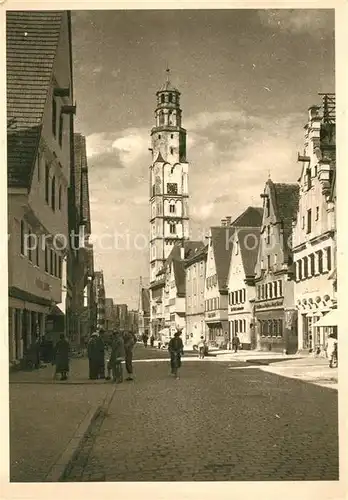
<point>145,300</point>
<point>285,199</point>
<point>221,240</point>
<point>31,43</point>
<point>249,240</point>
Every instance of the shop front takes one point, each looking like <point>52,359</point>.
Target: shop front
<point>218,329</point>
<point>276,327</point>
<point>312,309</point>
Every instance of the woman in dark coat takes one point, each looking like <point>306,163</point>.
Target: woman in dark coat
<point>62,357</point>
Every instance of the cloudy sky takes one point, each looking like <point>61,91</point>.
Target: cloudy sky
<point>247,78</point>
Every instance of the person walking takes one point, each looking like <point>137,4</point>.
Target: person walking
<point>129,343</point>
<point>201,348</point>
<point>176,350</point>
<point>93,350</point>
<point>331,349</point>
<point>145,339</point>
<point>116,357</point>
<point>235,343</point>
<point>62,357</point>
<point>152,341</point>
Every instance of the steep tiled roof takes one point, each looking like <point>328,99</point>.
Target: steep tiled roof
<point>179,274</point>
<point>221,239</point>
<point>251,217</point>
<point>249,240</point>
<point>286,200</point>
<point>31,43</point>
<point>145,300</point>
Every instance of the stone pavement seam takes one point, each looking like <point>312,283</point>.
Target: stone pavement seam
<point>58,470</point>
<point>82,435</point>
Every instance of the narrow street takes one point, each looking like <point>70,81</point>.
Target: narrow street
<point>212,424</point>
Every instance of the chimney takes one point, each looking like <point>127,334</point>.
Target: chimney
<point>229,220</point>
<point>224,222</point>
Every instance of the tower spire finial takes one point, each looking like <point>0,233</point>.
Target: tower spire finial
<point>168,72</point>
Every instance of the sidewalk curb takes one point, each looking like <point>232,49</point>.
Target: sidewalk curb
<point>58,470</point>
<point>311,380</point>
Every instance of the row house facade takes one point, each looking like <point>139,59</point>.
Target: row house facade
<point>39,161</point>
<point>144,312</point>
<point>195,269</point>
<point>100,298</point>
<point>241,285</point>
<point>315,227</point>
<point>217,272</point>
<point>274,310</point>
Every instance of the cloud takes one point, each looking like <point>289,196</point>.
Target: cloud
<point>317,22</point>
<point>132,145</point>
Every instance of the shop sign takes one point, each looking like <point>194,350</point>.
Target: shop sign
<point>268,305</point>
<point>237,308</point>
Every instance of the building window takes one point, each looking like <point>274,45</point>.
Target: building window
<point>54,117</point>
<point>30,252</point>
<point>280,327</point>
<point>172,188</point>
<point>60,198</point>
<point>280,288</point>
<point>46,258</point>
<point>61,125</point>
<point>170,97</point>
<point>309,221</point>
<point>312,263</point>
<point>171,151</point>
<point>267,207</point>
<point>320,261</point>
<point>299,276</point>
<point>275,289</point>
<point>303,222</point>
<point>268,262</point>
<point>47,182</point>
<point>172,208</point>
<point>55,270</point>
<point>328,258</point>
<point>315,170</point>
<point>305,267</point>
<point>51,262</point>
<point>309,178</point>
<point>268,235</point>
<point>317,213</point>
<point>162,98</point>
<point>53,194</point>
<point>22,237</point>
<point>270,290</point>
<point>37,252</point>
<point>172,228</point>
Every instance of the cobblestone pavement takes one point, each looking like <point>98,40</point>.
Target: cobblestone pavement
<point>212,424</point>
<point>43,419</point>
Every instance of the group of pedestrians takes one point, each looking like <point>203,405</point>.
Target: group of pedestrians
<point>122,346</point>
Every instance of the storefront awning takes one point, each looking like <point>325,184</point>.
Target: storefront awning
<point>330,319</point>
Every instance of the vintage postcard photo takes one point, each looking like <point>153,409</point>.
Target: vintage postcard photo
<point>172,247</point>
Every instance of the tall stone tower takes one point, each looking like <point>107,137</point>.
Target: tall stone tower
<point>169,217</point>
